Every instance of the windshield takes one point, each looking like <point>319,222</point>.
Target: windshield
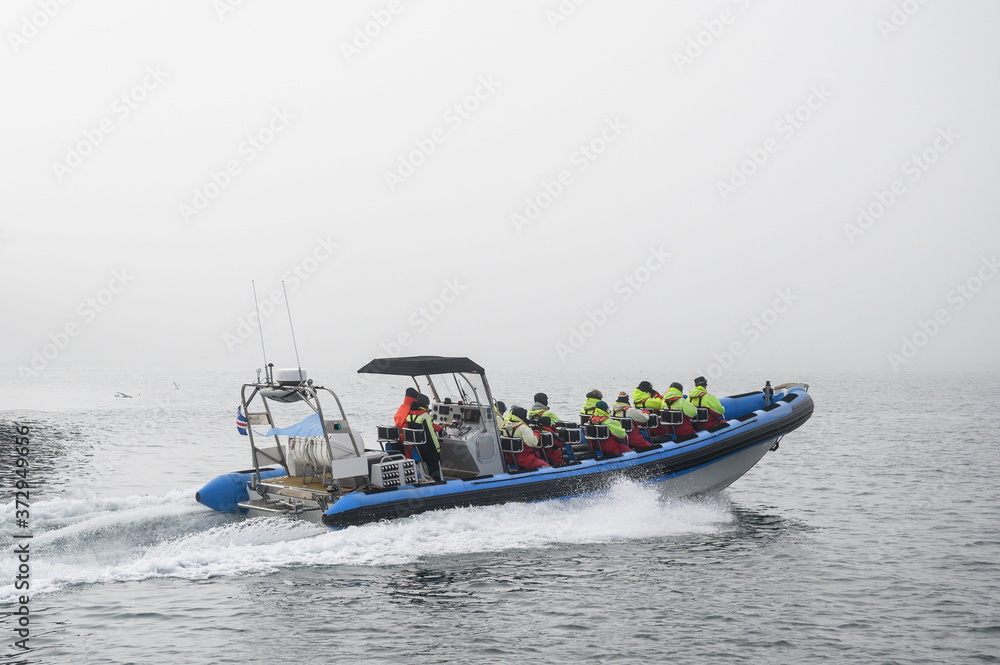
<point>464,388</point>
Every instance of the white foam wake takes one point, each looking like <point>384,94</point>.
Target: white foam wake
<point>113,544</point>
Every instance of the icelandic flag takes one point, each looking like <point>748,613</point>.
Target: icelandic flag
<point>241,421</point>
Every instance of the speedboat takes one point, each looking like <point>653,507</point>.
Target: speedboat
<point>319,468</point>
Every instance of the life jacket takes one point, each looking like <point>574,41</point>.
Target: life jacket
<point>413,415</point>
<point>411,420</point>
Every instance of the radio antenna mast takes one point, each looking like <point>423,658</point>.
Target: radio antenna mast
<point>260,329</point>
<point>292,328</point>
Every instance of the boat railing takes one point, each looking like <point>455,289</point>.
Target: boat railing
<point>303,392</point>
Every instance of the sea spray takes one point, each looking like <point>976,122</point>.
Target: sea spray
<point>139,538</point>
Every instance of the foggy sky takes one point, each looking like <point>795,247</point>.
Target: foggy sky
<point>830,107</point>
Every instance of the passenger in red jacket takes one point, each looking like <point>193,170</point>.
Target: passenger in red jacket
<point>554,455</point>
<point>674,401</point>
<point>516,427</point>
<point>621,409</point>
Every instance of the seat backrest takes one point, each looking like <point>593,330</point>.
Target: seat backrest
<point>672,417</point>
<point>596,432</point>
<point>545,440</point>
<point>512,444</point>
<point>570,435</point>
<point>626,423</point>
<point>653,422</point>
<point>386,434</point>
<point>702,416</point>
<point>414,436</point>
<point>585,418</point>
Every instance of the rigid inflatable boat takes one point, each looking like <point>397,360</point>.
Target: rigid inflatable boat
<point>320,469</point>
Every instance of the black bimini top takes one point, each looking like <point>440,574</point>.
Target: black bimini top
<point>420,365</point>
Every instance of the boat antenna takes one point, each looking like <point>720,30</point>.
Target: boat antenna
<point>260,329</point>
<point>292,328</point>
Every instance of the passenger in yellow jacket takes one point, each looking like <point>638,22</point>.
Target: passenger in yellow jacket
<point>700,397</point>
<point>674,401</point>
<point>540,409</point>
<point>430,452</point>
<point>644,397</point>
<point>593,397</point>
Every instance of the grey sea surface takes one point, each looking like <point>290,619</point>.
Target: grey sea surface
<point>871,536</point>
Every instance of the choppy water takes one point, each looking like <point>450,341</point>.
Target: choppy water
<point>871,536</point>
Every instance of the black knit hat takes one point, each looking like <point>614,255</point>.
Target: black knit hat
<point>422,402</point>
<point>501,407</point>
<point>701,381</point>
<point>519,412</point>
<point>412,392</point>
<point>677,385</point>
<point>595,394</point>
<point>645,386</point>
<point>542,398</point>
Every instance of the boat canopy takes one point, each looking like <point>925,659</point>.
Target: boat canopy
<point>420,366</point>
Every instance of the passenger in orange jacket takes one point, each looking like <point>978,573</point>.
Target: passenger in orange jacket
<point>400,418</point>
<point>404,410</point>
